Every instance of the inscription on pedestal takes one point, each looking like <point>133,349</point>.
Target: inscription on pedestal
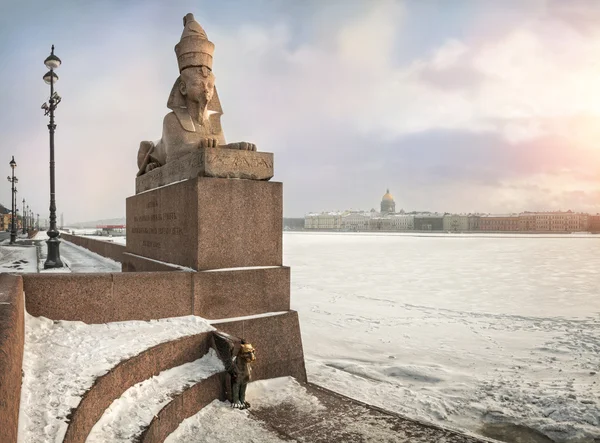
<point>158,227</point>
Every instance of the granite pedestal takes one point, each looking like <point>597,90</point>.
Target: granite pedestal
<point>208,223</point>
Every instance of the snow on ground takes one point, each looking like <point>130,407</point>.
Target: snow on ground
<point>18,259</point>
<point>278,391</point>
<point>218,422</point>
<point>80,259</point>
<point>127,416</point>
<point>41,235</point>
<point>63,358</point>
<point>457,330</point>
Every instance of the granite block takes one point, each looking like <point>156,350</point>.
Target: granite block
<point>78,297</point>
<point>209,162</point>
<point>102,298</point>
<point>237,293</point>
<point>12,335</point>
<point>277,341</point>
<point>208,223</point>
<point>151,295</point>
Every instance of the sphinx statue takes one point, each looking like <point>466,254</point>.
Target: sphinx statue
<point>195,118</point>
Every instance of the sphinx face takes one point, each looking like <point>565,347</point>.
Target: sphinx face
<point>198,84</point>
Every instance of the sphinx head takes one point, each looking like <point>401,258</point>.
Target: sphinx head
<point>197,84</point>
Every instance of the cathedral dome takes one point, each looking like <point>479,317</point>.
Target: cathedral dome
<point>387,196</point>
<point>388,205</point>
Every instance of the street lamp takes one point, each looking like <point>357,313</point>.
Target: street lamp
<point>52,62</point>
<point>23,219</point>
<point>13,180</point>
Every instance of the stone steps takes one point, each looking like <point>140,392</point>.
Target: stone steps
<point>150,409</point>
<point>184,405</point>
<point>126,374</point>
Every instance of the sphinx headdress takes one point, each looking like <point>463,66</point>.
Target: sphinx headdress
<point>193,50</point>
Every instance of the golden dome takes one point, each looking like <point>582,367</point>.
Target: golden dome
<point>387,196</point>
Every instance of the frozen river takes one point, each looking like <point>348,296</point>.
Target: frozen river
<point>479,333</point>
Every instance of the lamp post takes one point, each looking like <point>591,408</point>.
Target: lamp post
<point>53,258</point>
<point>13,180</point>
<point>23,218</point>
<point>38,222</point>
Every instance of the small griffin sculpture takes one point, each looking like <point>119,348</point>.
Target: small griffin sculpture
<point>238,365</point>
<point>195,120</point>
<point>241,372</point>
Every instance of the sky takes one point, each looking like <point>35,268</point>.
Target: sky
<point>462,106</point>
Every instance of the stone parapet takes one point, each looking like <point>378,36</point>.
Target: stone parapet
<point>208,223</point>
<point>103,298</point>
<point>108,297</point>
<point>209,162</point>
<point>12,336</point>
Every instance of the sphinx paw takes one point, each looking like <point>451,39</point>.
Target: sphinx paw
<point>245,146</point>
<point>152,165</point>
<point>209,143</point>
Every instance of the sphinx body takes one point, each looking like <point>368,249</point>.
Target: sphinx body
<point>195,120</point>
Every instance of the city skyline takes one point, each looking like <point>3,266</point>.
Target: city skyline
<point>401,209</point>
<point>467,106</point>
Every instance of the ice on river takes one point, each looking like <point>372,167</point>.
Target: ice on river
<point>460,331</point>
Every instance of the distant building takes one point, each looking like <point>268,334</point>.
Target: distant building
<point>474,222</point>
<point>456,223</point>
<point>594,223</point>
<point>429,222</point>
<point>401,222</point>
<point>293,224</point>
<point>6,220</point>
<point>388,205</point>
<point>4,217</point>
<point>356,220</point>
<point>499,223</point>
<point>325,220</point>
<point>527,222</point>
<point>561,222</point>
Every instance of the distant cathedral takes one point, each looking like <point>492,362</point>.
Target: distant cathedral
<point>388,205</point>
